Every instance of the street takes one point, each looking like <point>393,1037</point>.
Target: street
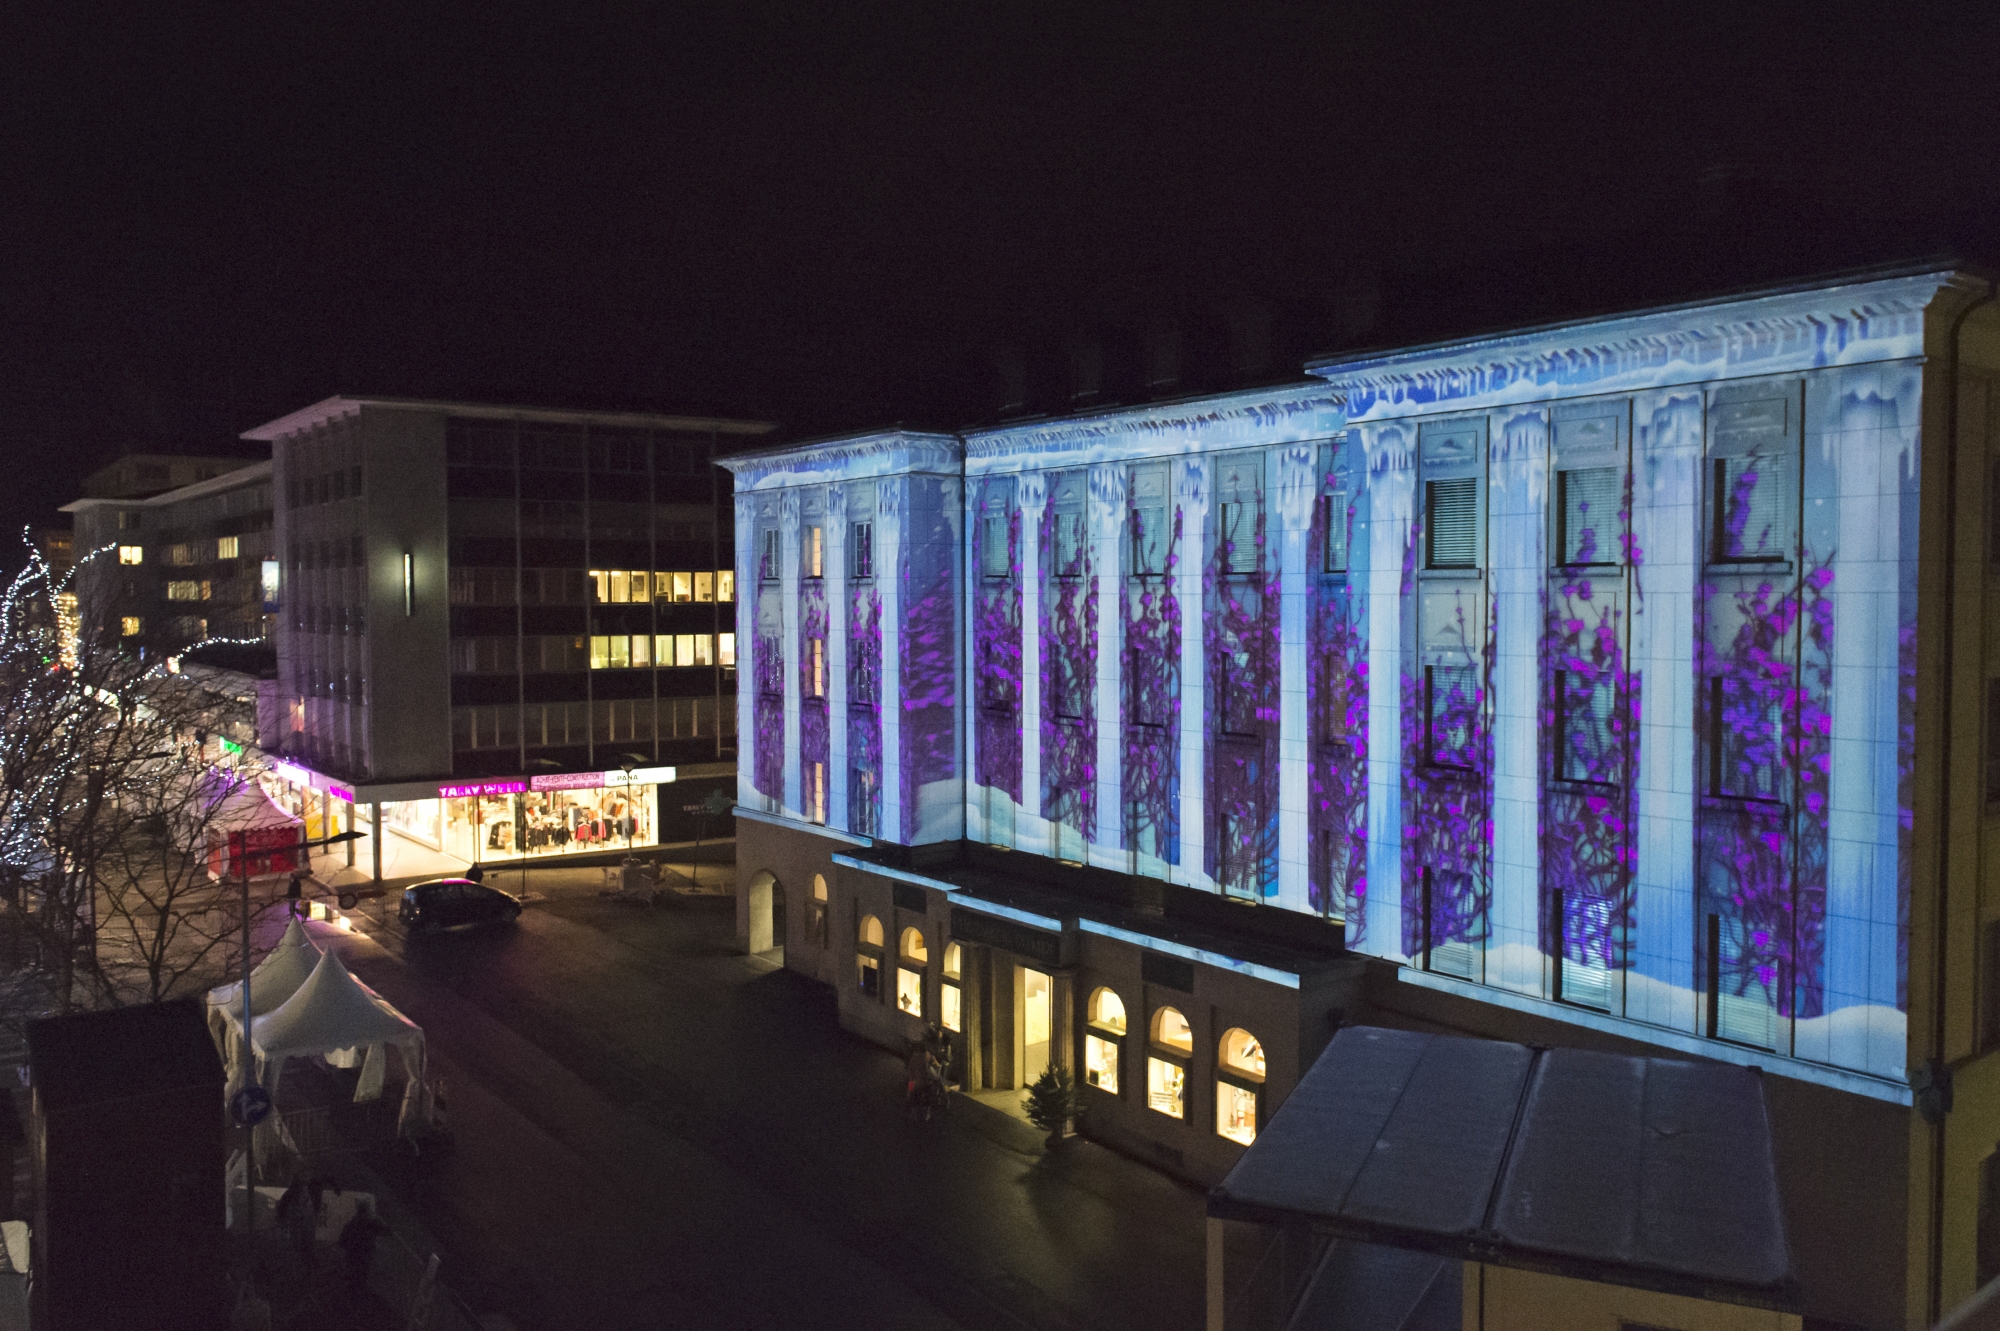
<point>652,1130</point>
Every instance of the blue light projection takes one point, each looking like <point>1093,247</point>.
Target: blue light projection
<point>1605,691</point>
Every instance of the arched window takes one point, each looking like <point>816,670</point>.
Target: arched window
<point>1166,1063</point>
<point>910,974</point>
<point>868,957</point>
<point>1239,1078</point>
<point>1104,1042</point>
<point>951,1002</point>
<point>816,912</point>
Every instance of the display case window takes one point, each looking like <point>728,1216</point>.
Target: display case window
<point>1236,1112</point>
<point>868,956</point>
<point>910,991</point>
<point>870,975</point>
<point>1100,1062</point>
<point>1166,1085</point>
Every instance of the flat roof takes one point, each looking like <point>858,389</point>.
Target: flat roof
<point>341,405</point>
<point>248,474</point>
<point>92,1058</point>
<point>1649,1172</point>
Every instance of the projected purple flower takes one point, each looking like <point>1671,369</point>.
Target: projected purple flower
<point>813,738</point>
<point>929,659</point>
<point>1241,713</point>
<point>1337,702</point>
<point>996,647</point>
<point>1151,774</point>
<point>864,708</point>
<point>1069,670</point>
<point>768,713</point>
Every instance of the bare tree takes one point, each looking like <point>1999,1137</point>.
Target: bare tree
<point>108,801</point>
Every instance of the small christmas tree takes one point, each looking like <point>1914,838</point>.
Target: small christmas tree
<point>1054,1102</point>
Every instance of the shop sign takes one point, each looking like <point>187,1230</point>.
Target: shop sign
<point>568,781</point>
<point>284,771</point>
<point>340,792</point>
<point>641,776</point>
<point>482,788</point>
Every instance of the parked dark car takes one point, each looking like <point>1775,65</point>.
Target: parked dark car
<point>448,901</point>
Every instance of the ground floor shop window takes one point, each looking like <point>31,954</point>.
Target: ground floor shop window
<point>1104,1042</point>
<point>915,956</point>
<point>951,1001</point>
<point>1166,1083</point>
<point>1166,1066</point>
<point>868,957</point>
<point>1239,1079</point>
<point>553,822</point>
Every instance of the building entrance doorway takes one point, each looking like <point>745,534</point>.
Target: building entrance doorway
<point>1036,992</point>
<point>764,917</point>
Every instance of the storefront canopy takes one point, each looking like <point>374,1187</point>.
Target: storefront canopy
<point>1647,1172</point>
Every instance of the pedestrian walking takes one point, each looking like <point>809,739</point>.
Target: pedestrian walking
<point>298,1217</point>
<point>295,896</point>
<point>357,1244</point>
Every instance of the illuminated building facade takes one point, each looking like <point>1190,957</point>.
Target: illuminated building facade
<point>1614,683</point>
<point>508,628</point>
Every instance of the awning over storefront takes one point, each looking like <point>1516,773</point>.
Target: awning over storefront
<point>1646,1172</point>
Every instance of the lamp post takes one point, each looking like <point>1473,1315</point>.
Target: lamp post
<point>628,764</point>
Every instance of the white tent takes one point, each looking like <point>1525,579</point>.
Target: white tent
<point>336,1017</point>
<point>273,980</point>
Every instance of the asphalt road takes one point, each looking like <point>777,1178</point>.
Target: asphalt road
<point>652,1130</point>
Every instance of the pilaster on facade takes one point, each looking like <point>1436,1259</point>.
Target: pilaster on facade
<point>1107,525</point>
<point>837,571</point>
<point>1031,830</point>
<point>1297,492</point>
<point>890,494</point>
<point>788,582</point>
<point>1193,493</point>
<point>747,794</point>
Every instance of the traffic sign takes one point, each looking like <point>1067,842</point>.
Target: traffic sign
<point>250,1106</point>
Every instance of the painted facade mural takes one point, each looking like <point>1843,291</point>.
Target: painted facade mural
<point>1598,665</point>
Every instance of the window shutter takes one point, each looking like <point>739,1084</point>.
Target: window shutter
<point>1452,522</point>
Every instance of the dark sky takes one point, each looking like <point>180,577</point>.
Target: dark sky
<point>836,216</point>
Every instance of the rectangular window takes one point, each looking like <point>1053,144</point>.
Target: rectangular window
<point>909,991</point>
<point>130,626</point>
<point>1451,705</point>
<point>704,587</point>
<point>1235,1112</point>
<point>1451,523</point>
<point>1237,537</point>
<point>861,550</point>
<point>1585,708</point>
<point>1587,502</point>
<point>994,554</point>
<point>621,652</point>
<point>683,649</point>
<point>816,792</point>
<point>769,571</point>
<point>621,586</point>
<point>812,539</point>
<point>725,584</point>
<point>1151,516</point>
<point>642,653</point>
<point>1333,559</point>
<point>600,652</point>
<point>226,547</point>
<point>1066,506</point>
<point>1165,1083</point>
<point>683,586</point>
<point>1750,509</point>
<point>870,977</point>
<point>1743,748</point>
<point>817,667</point>
<point>704,649</point>
<point>183,591</point>
<point>1100,1063</point>
<point>952,1007</point>
<point>131,554</point>
<point>726,650</point>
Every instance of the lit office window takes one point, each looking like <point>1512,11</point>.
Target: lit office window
<point>226,547</point>
<point>704,586</point>
<point>131,554</point>
<point>725,584</point>
<point>641,650</point>
<point>814,539</point>
<point>816,667</point>
<point>641,586</point>
<point>130,626</point>
<point>727,653</point>
<point>683,586</point>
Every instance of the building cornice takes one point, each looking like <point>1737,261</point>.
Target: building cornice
<point>1782,333</point>
<point>339,407</point>
<point>1246,419</point>
<point>845,458</point>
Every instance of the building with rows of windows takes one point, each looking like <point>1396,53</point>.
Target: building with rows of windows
<point>504,632</point>
<point>1617,684</point>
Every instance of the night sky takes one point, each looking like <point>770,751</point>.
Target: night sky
<point>838,217</point>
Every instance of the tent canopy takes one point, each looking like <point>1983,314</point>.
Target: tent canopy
<point>274,979</point>
<point>1647,1172</point>
<point>330,1012</point>
<point>243,806</point>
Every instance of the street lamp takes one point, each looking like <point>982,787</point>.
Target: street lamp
<point>629,764</point>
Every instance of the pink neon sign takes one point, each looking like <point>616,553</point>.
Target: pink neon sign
<point>482,788</point>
